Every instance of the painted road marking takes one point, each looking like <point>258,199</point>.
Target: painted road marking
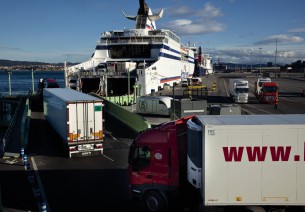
<point>259,109</point>
<point>43,194</point>
<point>108,158</point>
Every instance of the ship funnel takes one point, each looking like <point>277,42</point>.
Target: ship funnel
<point>145,19</point>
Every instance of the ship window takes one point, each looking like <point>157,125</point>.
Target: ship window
<point>129,51</point>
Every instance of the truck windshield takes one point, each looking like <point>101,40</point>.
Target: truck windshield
<point>242,90</point>
<point>139,157</point>
<point>270,89</point>
<point>261,83</point>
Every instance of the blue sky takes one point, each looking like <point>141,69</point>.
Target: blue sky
<point>228,30</point>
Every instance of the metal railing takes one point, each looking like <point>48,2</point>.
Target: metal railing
<point>7,137</point>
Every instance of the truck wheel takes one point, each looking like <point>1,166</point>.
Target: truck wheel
<point>154,202</point>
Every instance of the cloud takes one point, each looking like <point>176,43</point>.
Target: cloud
<point>297,30</point>
<point>288,54</point>
<point>200,21</point>
<point>10,48</point>
<point>280,39</point>
<point>179,11</point>
<point>252,55</point>
<point>209,11</point>
<point>189,27</point>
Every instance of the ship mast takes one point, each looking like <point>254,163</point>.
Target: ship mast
<point>275,51</point>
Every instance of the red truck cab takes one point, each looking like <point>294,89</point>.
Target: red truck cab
<point>268,92</point>
<point>157,169</point>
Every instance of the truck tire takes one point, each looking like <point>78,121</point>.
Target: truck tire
<point>154,202</point>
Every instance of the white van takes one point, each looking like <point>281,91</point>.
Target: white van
<point>156,105</point>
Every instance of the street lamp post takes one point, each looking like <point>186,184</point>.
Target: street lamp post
<point>260,59</point>
<point>32,81</point>
<point>9,82</point>
<point>128,84</point>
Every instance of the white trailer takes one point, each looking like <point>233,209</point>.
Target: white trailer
<point>77,118</point>
<point>239,90</point>
<point>253,160</point>
<point>259,84</point>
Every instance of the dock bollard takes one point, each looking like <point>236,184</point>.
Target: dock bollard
<point>28,167</point>
<point>43,207</point>
<point>31,178</point>
<point>25,160</point>
<point>214,86</point>
<point>22,153</point>
<point>37,193</point>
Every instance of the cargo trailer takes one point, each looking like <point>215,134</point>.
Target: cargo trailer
<point>78,118</point>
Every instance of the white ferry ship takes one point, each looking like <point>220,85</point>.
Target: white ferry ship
<point>144,58</point>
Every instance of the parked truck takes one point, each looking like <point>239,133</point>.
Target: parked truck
<point>239,90</point>
<point>268,93</point>
<point>229,163</point>
<point>259,84</point>
<point>78,119</point>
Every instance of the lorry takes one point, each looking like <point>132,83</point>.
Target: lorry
<point>78,119</point>
<point>268,92</point>
<point>221,163</point>
<point>239,90</point>
<point>259,84</point>
<point>184,78</point>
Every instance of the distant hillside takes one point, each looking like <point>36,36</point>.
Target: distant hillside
<point>28,63</point>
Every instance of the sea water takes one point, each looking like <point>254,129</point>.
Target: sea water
<point>21,80</point>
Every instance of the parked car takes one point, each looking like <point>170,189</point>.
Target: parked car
<point>50,83</point>
<point>73,83</point>
<point>47,83</point>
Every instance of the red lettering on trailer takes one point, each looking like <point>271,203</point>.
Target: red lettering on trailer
<point>232,153</point>
<point>256,152</point>
<point>279,153</point>
<point>297,158</point>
